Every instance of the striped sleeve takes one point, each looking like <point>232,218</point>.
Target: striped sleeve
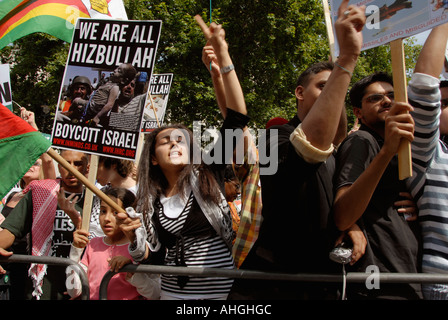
<point>429,183</point>
<point>424,96</point>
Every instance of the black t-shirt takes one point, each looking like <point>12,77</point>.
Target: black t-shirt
<point>20,244</point>
<point>392,244</point>
<point>296,232</point>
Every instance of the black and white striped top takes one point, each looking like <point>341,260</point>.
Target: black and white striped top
<point>208,251</point>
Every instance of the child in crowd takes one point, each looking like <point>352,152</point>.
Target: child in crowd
<point>103,99</point>
<point>109,253</point>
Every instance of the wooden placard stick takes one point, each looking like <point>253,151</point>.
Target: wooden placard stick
<point>88,198</point>
<point>329,26</point>
<point>153,108</point>
<point>401,95</point>
<point>84,180</point>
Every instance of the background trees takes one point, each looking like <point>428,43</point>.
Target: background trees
<point>37,65</point>
<point>270,42</point>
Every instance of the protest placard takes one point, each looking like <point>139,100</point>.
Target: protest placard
<point>5,86</point>
<point>389,20</point>
<point>156,101</point>
<point>106,56</point>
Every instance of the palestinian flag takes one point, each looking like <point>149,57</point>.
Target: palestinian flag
<point>20,146</point>
<point>19,18</point>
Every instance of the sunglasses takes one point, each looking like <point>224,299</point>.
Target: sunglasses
<point>379,97</point>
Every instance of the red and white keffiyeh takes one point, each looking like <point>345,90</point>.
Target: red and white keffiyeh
<point>45,200</point>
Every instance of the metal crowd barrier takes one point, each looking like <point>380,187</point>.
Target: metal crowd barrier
<point>353,277</point>
<point>18,258</point>
<point>350,277</point>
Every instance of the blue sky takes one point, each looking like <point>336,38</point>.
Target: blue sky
<point>421,37</point>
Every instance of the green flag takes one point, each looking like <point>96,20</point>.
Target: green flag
<point>20,146</point>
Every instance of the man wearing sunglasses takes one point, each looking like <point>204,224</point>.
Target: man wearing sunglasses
<point>295,235</point>
<point>368,188</point>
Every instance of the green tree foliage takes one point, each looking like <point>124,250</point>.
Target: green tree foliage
<point>37,65</point>
<point>270,42</point>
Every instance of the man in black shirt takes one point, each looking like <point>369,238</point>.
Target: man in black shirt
<point>368,188</point>
<point>297,198</point>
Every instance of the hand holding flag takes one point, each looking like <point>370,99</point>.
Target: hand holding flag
<point>20,146</point>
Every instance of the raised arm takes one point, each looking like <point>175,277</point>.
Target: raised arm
<point>233,93</point>
<point>211,63</point>
<point>424,95</point>
<point>321,123</point>
<point>48,167</point>
<point>431,58</point>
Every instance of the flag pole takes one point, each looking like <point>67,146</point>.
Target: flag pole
<point>84,180</point>
<point>329,26</point>
<point>400,92</point>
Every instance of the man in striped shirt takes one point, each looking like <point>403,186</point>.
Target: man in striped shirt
<point>429,182</point>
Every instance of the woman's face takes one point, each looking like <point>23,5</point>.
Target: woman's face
<point>171,149</point>
<point>33,172</point>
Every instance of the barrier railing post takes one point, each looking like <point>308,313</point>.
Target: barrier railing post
<point>214,272</point>
<point>18,258</point>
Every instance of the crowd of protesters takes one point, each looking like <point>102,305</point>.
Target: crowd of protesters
<point>330,187</point>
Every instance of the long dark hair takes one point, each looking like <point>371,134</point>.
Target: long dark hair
<point>126,196</point>
<point>152,181</point>
<point>123,167</point>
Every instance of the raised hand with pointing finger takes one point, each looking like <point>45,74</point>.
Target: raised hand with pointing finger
<point>215,36</point>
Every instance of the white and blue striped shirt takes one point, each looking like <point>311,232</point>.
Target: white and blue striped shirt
<point>429,182</point>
